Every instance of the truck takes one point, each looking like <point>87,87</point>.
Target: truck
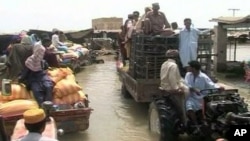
<point>141,80</point>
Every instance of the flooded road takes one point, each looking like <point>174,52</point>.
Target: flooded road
<point>114,118</point>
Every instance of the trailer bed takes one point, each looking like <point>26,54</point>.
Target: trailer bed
<point>142,90</point>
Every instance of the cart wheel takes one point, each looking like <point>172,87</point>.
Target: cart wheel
<point>161,121</point>
<point>125,92</point>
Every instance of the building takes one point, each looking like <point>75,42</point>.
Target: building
<point>104,24</point>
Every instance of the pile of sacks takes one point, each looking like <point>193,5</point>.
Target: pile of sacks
<point>75,51</point>
<point>66,91</point>
<point>19,101</point>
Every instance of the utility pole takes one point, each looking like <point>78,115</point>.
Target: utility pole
<point>234,10</point>
<point>235,40</point>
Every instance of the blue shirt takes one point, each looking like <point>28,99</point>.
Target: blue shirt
<point>201,82</point>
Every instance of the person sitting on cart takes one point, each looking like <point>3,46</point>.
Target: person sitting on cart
<point>156,22</point>
<point>35,122</point>
<point>35,77</point>
<point>172,82</point>
<point>17,56</point>
<point>50,57</point>
<point>197,81</point>
<point>57,43</point>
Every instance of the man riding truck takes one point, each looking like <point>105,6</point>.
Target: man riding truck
<point>139,25</point>
<point>128,27</point>
<point>156,22</point>
<point>196,81</point>
<point>172,82</point>
<point>188,44</point>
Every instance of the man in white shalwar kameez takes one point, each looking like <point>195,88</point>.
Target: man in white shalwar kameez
<point>172,82</point>
<point>189,42</point>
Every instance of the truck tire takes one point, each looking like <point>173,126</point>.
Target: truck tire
<point>162,118</point>
<point>125,92</point>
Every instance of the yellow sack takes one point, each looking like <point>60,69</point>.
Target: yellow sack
<point>1,100</point>
<point>57,74</point>
<point>58,101</point>
<point>71,77</point>
<point>16,107</point>
<point>18,91</point>
<point>67,70</point>
<point>65,87</point>
<point>73,98</point>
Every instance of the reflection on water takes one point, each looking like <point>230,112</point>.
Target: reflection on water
<point>114,118</point>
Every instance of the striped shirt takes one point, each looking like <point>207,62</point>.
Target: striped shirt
<point>34,61</point>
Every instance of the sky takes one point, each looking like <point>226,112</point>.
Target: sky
<point>17,15</point>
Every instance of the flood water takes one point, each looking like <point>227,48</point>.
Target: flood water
<point>114,118</point>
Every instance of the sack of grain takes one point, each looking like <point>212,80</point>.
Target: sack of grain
<point>16,107</point>
<point>58,101</point>
<point>73,98</point>
<point>71,77</point>
<point>65,87</point>
<point>58,74</point>
<point>18,91</point>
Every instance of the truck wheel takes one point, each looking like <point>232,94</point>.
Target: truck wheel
<point>125,92</point>
<point>161,121</point>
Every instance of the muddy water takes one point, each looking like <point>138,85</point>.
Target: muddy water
<point>114,118</point>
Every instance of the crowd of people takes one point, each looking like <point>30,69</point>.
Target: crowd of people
<point>26,62</point>
<point>154,22</point>
<point>29,56</point>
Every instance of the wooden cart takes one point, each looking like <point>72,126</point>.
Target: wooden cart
<point>69,120</point>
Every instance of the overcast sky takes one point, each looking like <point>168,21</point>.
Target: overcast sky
<point>16,15</point>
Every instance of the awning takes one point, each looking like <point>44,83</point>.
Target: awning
<point>232,20</point>
<point>74,36</point>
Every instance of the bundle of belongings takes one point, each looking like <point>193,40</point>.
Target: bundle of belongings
<point>74,51</point>
<point>65,92</point>
<point>71,50</point>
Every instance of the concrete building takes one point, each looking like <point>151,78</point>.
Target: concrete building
<point>110,24</point>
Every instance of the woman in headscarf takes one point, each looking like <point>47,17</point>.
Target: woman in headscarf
<point>35,77</point>
<point>17,57</point>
